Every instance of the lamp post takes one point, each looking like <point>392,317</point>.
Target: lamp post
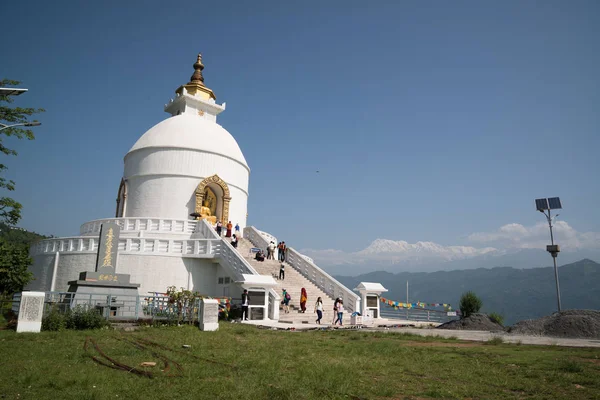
<point>7,91</point>
<point>543,205</point>
<point>34,123</point>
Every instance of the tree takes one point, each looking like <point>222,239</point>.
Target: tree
<point>469,304</point>
<point>10,209</point>
<point>14,261</point>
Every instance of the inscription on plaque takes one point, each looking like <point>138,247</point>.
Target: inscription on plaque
<point>372,301</point>
<point>106,260</point>
<point>211,313</point>
<point>208,315</point>
<point>31,311</point>
<point>32,308</point>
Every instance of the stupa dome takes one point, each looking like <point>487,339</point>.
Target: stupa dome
<point>191,133</point>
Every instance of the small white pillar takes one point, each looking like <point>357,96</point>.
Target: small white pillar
<point>370,293</point>
<point>31,311</point>
<point>208,315</point>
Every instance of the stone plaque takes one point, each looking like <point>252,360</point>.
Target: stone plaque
<point>257,298</point>
<point>31,311</point>
<point>208,315</point>
<point>257,313</point>
<point>106,261</point>
<point>372,301</point>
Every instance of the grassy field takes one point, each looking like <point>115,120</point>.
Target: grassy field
<point>242,362</point>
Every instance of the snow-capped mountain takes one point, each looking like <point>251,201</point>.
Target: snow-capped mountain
<point>423,249</point>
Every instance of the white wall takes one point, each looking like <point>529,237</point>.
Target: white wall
<point>162,182</point>
<point>153,273</point>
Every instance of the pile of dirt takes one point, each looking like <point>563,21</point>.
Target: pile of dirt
<point>566,324</point>
<point>474,322</point>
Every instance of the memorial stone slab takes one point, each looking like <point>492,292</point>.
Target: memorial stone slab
<point>31,311</point>
<point>208,315</point>
<point>106,261</point>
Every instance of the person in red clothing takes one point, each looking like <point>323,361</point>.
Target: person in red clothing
<point>229,228</point>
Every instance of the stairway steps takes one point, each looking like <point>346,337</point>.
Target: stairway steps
<point>293,283</point>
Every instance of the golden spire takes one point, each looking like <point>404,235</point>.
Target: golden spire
<point>198,67</point>
<point>196,84</point>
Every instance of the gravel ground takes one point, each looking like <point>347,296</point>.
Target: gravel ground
<point>474,322</point>
<point>566,324</point>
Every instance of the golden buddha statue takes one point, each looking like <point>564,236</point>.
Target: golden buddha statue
<point>206,214</point>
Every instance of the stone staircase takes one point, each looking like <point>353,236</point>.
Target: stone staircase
<point>293,283</point>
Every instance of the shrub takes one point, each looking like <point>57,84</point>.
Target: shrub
<point>54,321</point>
<point>469,304</point>
<point>497,318</point>
<point>79,318</point>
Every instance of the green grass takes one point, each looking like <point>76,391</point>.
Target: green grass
<point>242,362</point>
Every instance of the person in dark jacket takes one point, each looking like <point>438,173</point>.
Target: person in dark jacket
<point>245,304</point>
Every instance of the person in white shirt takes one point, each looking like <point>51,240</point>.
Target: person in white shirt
<point>271,251</point>
<point>245,304</point>
<point>319,310</point>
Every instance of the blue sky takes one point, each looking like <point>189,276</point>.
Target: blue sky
<point>428,121</point>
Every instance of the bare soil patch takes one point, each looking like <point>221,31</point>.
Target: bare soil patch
<point>579,324</point>
<point>474,322</point>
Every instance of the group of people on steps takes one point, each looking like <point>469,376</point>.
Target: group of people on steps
<point>229,227</point>
<point>338,306</point>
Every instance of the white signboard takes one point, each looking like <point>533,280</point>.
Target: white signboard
<point>208,318</point>
<point>31,311</point>
<point>451,313</point>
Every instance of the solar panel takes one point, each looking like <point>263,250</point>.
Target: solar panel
<point>554,203</point>
<point>541,204</point>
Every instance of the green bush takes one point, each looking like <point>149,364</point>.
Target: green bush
<point>54,321</point>
<point>79,318</point>
<point>497,318</point>
<point>469,304</point>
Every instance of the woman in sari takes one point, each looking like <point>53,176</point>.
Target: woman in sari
<point>303,298</point>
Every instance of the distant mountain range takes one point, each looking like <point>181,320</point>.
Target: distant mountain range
<point>516,293</point>
<point>401,256</point>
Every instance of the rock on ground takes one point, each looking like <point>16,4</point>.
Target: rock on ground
<point>474,322</point>
<point>566,324</point>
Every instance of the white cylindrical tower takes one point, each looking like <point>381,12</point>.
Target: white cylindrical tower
<point>168,170</point>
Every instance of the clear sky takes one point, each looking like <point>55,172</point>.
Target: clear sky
<point>428,120</point>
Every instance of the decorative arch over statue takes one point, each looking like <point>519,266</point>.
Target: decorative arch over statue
<point>121,199</point>
<point>209,188</point>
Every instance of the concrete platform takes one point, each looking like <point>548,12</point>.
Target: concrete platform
<point>425,329</point>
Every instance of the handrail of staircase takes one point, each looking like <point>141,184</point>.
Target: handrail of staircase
<point>230,257</point>
<point>310,271</point>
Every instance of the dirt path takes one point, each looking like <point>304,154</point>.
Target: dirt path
<point>483,336</point>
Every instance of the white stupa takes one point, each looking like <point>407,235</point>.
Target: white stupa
<point>180,178</point>
<point>186,165</point>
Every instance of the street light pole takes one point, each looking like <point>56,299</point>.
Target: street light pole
<point>553,250</point>
<point>35,123</point>
<point>542,206</point>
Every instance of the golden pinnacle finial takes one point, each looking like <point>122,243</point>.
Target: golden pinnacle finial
<point>198,67</point>
<point>195,86</point>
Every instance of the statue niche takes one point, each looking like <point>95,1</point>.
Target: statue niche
<point>212,200</point>
<point>208,210</point>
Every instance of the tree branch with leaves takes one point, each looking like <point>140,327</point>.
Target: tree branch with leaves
<point>10,209</point>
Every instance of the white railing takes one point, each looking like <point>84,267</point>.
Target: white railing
<point>167,247</point>
<point>233,260</point>
<point>309,270</point>
<point>158,225</point>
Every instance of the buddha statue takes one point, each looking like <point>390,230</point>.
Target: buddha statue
<point>206,214</point>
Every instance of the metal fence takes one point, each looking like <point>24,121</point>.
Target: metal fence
<point>415,314</point>
<point>115,308</point>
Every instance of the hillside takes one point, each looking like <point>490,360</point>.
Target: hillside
<point>516,293</point>
<point>19,236</point>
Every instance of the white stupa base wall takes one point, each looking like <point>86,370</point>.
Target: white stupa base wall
<point>153,273</point>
